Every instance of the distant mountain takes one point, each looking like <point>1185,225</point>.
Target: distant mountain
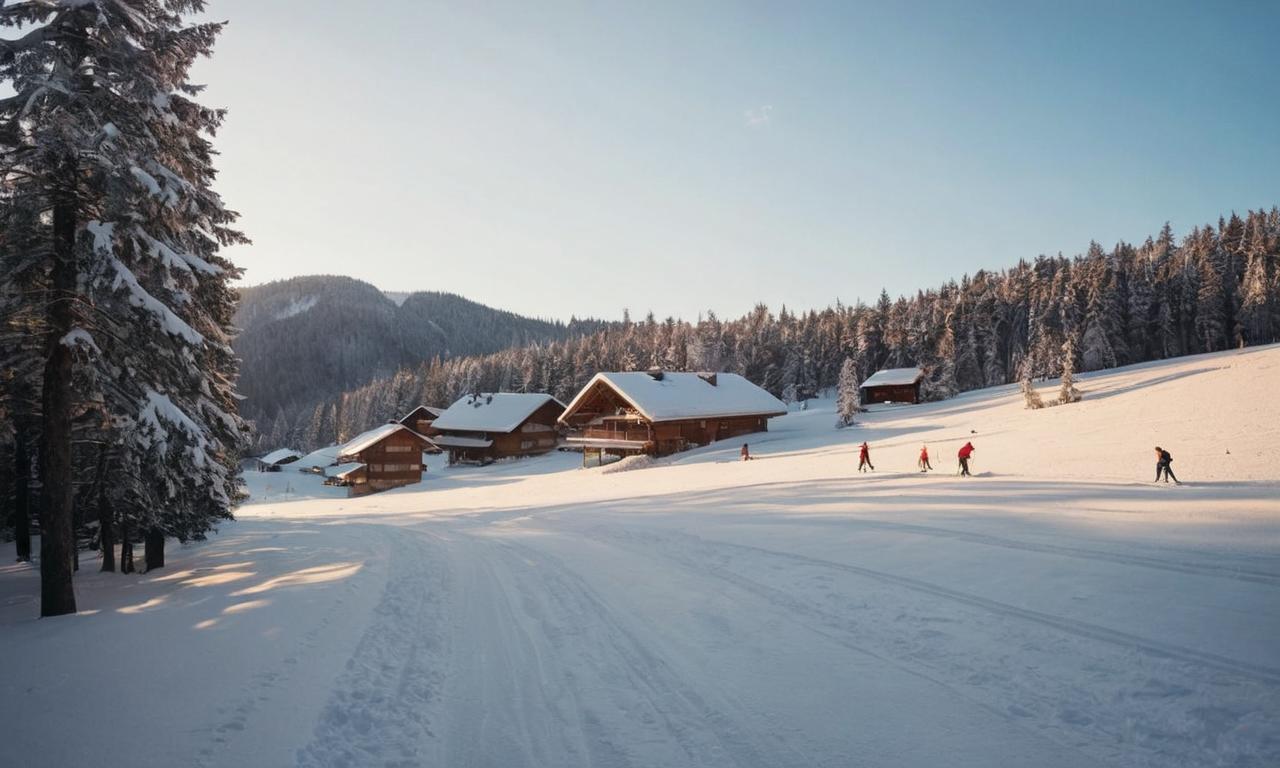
<point>310,338</point>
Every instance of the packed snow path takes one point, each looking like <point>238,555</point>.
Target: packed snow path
<point>1056,610</point>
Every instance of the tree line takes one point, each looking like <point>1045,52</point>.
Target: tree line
<point>1215,289</point>
<point>118,411</point>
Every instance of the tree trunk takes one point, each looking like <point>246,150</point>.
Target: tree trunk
<point>22,494</point>
<point>57,537</point>
<point>126,547</point>
<point>105,530</point>
<point>154,552</point>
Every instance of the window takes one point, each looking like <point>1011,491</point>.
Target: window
<point>389,468</point>
<point>399,449</point>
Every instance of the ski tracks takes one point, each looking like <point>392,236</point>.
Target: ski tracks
<point>963,643</point>
<point>384,704</point>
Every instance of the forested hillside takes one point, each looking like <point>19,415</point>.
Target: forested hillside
<point>1217,288</point>
<point>310,338</point>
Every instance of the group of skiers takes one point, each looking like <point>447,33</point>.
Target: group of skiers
<point>966,451</point>
<point>1164,460</point>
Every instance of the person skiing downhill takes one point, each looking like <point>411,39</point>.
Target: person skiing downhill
<point>965,453</point>
<point>864,458</point>
<point>745,452</point>
<point>925,466</point>
<point>1164,466</point>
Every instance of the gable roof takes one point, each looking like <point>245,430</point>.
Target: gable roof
<point>894,377</point>
<point>322,457</point>
<point>374,436</point>
<point>678,396</point>
<point>426,411</point>
<point>496,412</point>
<point>279,455</point>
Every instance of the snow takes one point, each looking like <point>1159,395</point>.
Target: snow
<point>342,470</point>
<point>79,337</point>
<point>297,307</point>
<point>893,377</point>
<point>1059,609</point>
<point>496,412</point>
<point>374,436</point>
<point>322,457</point>
<point>686,395</point>
<point>279,455</point>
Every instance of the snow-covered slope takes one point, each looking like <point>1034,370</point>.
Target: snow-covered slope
<point>1058,609</point>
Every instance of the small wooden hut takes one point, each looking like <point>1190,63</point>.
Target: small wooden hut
<point>893,385</point>
<point>281,457</point>
<point>483,427</point>
<point>386,457</point>
<point>658,412</point>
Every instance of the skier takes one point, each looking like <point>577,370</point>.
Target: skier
<point>864,458</point>
<point>745,452</point>
<point>1164,466</point>
<point>925,466</point>
<point>964,454</point>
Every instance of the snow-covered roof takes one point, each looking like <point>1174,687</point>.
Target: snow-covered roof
<point>894,377</point>
<point>279,455</point>
<point>497,412</point>
<point>343,470</point>
<point>427,410</point>
<point>679,396</point>
<point>458,441</point>
<point>319,458</point>
<point>374,436</point>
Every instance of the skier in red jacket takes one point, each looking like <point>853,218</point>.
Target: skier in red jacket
<point>864,458</point>
<point>965,453</point>
<point>925,466</point>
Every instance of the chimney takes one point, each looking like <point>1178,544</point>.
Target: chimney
<point>710,378</point>
<point>655,374</point>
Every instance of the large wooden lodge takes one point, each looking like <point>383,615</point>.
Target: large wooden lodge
<point>487,426</point>
<point>659,413</point>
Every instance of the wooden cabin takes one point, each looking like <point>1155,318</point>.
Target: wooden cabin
<point>281,457</point>
<point>659,413</point>
<point>483,427</point>
<point>386,457</point>
<point>422,419</point>
<point>893,385</point>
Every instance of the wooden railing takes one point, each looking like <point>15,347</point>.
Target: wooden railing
<point>640,434</point>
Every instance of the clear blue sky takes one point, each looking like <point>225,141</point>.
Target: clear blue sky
<point>558,159</point>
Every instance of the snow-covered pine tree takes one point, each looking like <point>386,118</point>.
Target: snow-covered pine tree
<point>105,122</point>
<point>1030,397</point>
<point>848,395</point>
<point>1067,392</point>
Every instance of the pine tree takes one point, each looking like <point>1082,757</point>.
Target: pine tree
<point>105,125</point>
<point>1067,392</point>
<point>848,395</point>
<point>1030,397</point>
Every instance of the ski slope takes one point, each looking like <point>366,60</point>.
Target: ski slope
<point>1058,609</point>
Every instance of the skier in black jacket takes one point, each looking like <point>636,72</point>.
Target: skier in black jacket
<point>1164,466</point>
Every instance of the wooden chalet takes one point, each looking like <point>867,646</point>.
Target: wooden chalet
<point>659,413</point>
<point>386,457</point>
<point>483,427</point>
<point>893,385</point>
<point>422,420</point>
<point>281,457</point>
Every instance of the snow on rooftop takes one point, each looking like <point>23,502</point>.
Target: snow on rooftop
<point>279,455</point>
<point>496,412</point>
<point>319,458</point>
<point>688,395</point>
<point>368,439</point>
<point>894,377</point>
<point>342,470</point>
